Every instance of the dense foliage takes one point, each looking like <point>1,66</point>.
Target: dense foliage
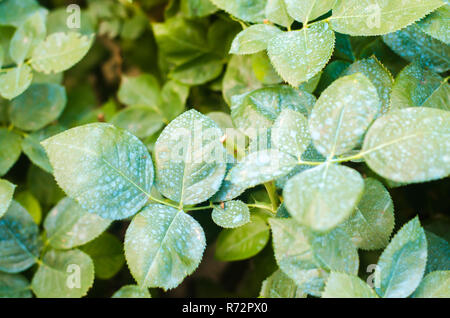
<point>272,148</point>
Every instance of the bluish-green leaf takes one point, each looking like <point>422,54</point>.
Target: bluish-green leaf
<point>68,225</point>
<point>343,113</point>
<point>106,169</point>
<point>19,240</point>
<point>378,75</point>
<point>437,24</point>
<point>14,12</point>
<point>438,250</point>
<point>14,286</point>
<point>402,264</point>
<point>38,106</point>
<point>323,197</point>
<point>410,145</point>
<point>190,159</point>
<point>307,258</point>
<point>411,44</point>
<point>416,86</point>
<point>233,214</point>
<point>162,246</point>
<point>256,111</point>
<point>299,55</point>
<point>372,222</point>
<point>279,285</point>
<point>260,167</point>
<point>31,146</point>
<point>290,133</point>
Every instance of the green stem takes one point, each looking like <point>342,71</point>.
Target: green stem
<point>262,207</point>
<point>162,202</point>
<point>273,196</point>
<point>199,208</point>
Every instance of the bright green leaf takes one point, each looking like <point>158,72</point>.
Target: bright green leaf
<point>308,10</point>
<point>15,81</point>
<point>279,285</point>
<point>253,39</point>
<point>233,214</point>
<point>340,285</point>
<point>434,285</point>
<point>131,291</point>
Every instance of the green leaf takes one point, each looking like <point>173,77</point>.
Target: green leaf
<point>106,169</point>
<point>19,240</point>
<point>416,86</point>
<point>340,285</point>
<point>141,121</point>
<point>438,250</point>
<point>233,214</point>
<point>107,253</point>
<point>180,40</point>
<point>263,69</point>
<point>57,22</point>
<point>279,285</point>
<point>38,106</point>
<point>131,291</point>
<point>437,24</point>
<point>256,111</point>
<point>14,286</point>
<point>27,37</point>
<point>299,55</point>
<point>434,285</point>
<point>409,145</point>
<point>43,186</point>
<point>68,225</point>
<point>323,197</point>
<point>197,8</point>
<point>243,242</point>
<point>173,99</point>
<point>290,133</point>
<point>6,195</point>
<point>239,77</point>
<point>199,70</point>
<point>260,167</point>
<point>378,75</point>
<point>253,39</point>
<point>374,17</point>
<point>31,146</point>
<point>27,200</point>
<point>15,81</point>
<point>162,246</point>
<point>276,12</point>
<point>228,190</point>
<point>308,10</point>
<point>402,264</point>
<point>343,113</point>
<point>190,159</point>
<point>307,257</point>
<point>411,44</point>
<point>60,51</point>
<point>372,223</point>
<point>63,274</point>
<point>247,10</point>
<point>11,149</point>
<point>14,12</point>
<point>142,90</point>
